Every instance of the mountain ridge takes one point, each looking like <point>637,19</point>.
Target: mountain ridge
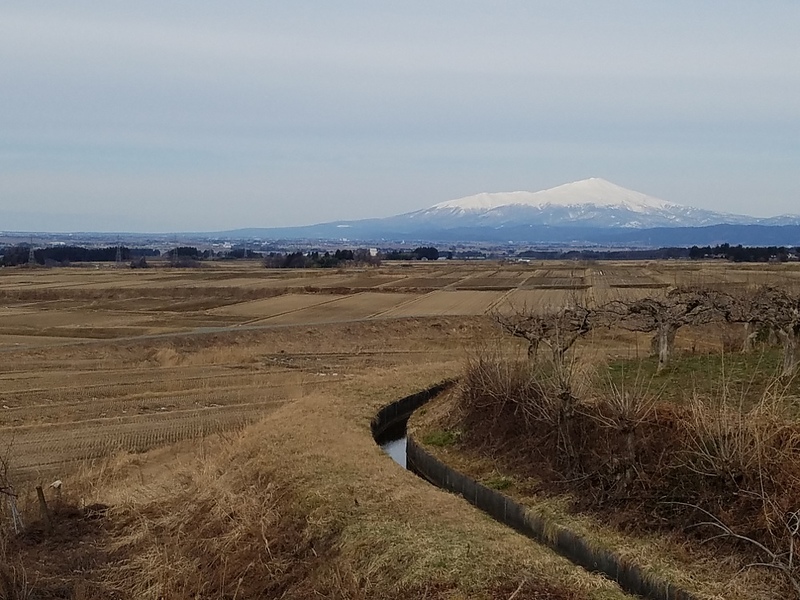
<point>593,202</point>
<point>590,211</point>
<point>595,189</point>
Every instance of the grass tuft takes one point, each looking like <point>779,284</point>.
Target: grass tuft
<point>499,482</point>
<point>441,438</point>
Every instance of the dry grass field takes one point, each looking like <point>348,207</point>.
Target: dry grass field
<point>158,365</point>
<point>95,351</point>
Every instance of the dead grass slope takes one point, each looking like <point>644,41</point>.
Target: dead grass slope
<point>305,505</point>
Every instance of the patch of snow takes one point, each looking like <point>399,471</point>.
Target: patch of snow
<point>591,202</point>
<point>594,191</point>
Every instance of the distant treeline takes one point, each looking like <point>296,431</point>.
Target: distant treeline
<point>426,252</point>
<point>722,251</point>
<point>315,259</point>
<point>340,258</point>
<point>20,255</point>
<point>65,255</point>
<point>652,254</point>
<point>744,253</point>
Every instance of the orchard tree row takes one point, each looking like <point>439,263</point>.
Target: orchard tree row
<point>763,311</point>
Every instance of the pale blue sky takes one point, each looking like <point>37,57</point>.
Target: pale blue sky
<point>177,116</point>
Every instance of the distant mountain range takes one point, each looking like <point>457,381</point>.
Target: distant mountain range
<point>588,212</point>
<point>590,203</point>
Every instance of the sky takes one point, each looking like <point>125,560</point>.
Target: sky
<point>159,116</point>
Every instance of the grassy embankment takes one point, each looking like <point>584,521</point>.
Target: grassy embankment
<point>636,461</point>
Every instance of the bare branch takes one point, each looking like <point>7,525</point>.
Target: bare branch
<point>784,566</point>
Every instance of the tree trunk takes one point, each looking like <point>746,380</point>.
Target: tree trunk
<point>751,330</point>
<point>773,337</point>
<point>666,343</point>
<point>790,343</point>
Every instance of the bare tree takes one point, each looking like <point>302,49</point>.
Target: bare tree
<point>557,330</point>
<point>779,310</point>
<point>739,309</point>
<point>666,314</point>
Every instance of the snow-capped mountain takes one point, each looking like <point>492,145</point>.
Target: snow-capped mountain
<point>591,211</point>
<point>591,202</point>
